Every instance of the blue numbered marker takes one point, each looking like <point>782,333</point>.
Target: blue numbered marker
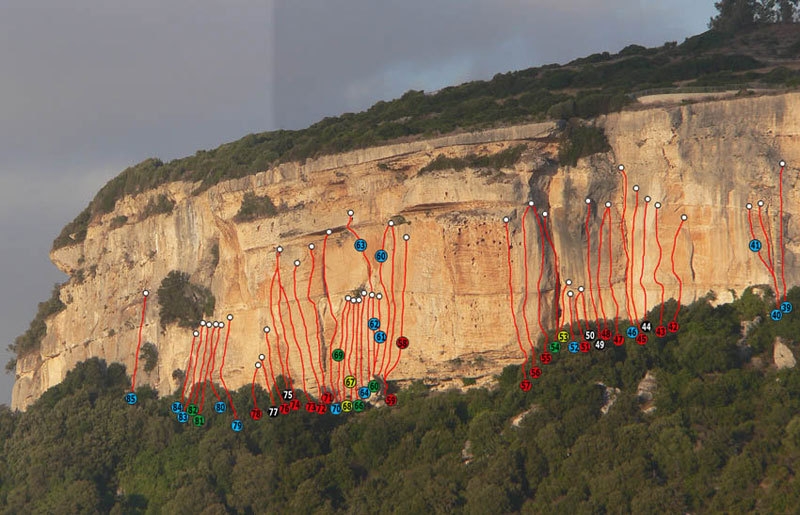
<point>236,425</point>
<point>574,347</point>
<point>776,314</point>
<point>360,245</point>
<point>632,332</point>
<point>131,398</point>
<point>381,256</point>
<point>786,307</point>
<point>380,337</point>
<point>336,408</point>
<point>755,245</point>
<point>220,407</point>
<point>364,392</point>
<point>183,417</point>
<point>374,324</point>
<point>177,407</point>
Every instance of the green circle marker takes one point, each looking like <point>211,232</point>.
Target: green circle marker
<point>374,386</point>
<point>358,406</point>
<point>337,354</point>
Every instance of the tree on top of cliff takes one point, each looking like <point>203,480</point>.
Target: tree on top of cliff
<point>735,15</point>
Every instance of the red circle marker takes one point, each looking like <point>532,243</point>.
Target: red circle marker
<point>605,334</point>
<point>641,339</point>
<point>402,342</point>
<point>619,340</point>
<point>585,346</point>
<point>661,331</point>
<point>545,358</point>
<point>256,414</point>
<point>525,385</point>
<point>673,327</point>
<point>391,400</point>
<point>536,372</point>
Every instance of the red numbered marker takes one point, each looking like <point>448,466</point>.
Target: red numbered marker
<point>546,358</point>
<point>673,327</point>
<point>619,339</point>
<point>256,414</point>
<point>536,372</point>
<point>641,339</point>
<point>311,407</point>
<point>391,400</point>
<point>605,334</point>
<point>585,346</point>
<point>525,386</point>
<point>402,342</point>
<point>284,409</point>
<point>661,331</point>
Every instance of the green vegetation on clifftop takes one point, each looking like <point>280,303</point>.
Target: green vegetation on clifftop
<point>724,438</point>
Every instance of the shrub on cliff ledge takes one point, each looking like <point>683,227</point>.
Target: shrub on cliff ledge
<point>31,340</point>
<point>254,207</point>
<point>182,302</point>
<point>580,141</point>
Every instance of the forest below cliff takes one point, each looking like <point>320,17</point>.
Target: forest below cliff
<point>724,436</point>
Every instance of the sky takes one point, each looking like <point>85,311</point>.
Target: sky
<point>90,87</point>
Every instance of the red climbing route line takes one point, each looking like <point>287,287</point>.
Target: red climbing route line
<point>589,264</point>
<point>195,389</point>
<point>672,258</point>
<point>189,364</point>
<point>403,304</point>
<point>305,326</point>
<point>285,372</point>
<point>343,338</point>
<point>210,371</point>
<point>199,399</point>
<point>556,272</point>
<point>271,370</point>
<point>222,366</point>
<point>525,295</point>
<point>139,345</point>
<point>364,254</point>
<point>753,235</point>
<point>330,307</point>
<point>511,296</point>
<point>563,319</point>
<point>600,239</point>
<point>541,274</point>
<point>768,241</point>
<point>320,361</point>
<point>610,271</point>
<point>644,251</point>
<point>294,334</point>
<point>655,271</point>
<point>253,388</point>
<point>780,220</point>
<point>623,228</point>
<point>388,303</point>
<point>571,318</point>
<point>390,336</point>
<point>633,262</point>
<point>771,266</point>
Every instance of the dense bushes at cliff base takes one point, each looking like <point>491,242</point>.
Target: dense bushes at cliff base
<point>725,437</point>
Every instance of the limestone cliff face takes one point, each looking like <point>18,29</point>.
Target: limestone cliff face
<point>706,160</point>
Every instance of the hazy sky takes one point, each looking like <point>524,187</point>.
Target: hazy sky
<point>90,87</point>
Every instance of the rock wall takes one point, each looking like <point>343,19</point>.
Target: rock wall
<point>705,160</point>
